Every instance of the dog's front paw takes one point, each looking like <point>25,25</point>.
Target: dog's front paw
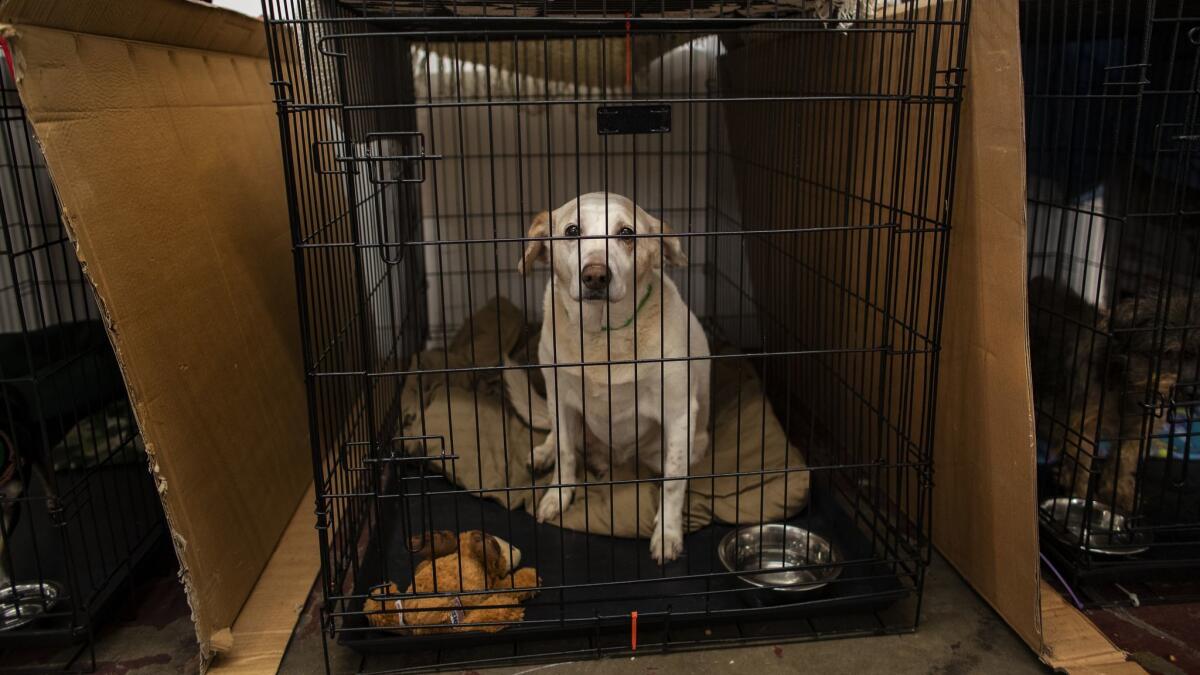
<point>666,543</point>
<point>545,454</point>
<point>554,502</point>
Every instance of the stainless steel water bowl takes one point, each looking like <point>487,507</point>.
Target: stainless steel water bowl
<point>22,603</point>
<point>1105,532</point>
<point>805,561</point>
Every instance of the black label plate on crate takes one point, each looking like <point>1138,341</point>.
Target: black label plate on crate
<point>633,119</point>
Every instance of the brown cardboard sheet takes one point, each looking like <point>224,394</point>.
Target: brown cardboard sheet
<point>1072,644</point>
<point>158,126</point>
<point>984,511</point>
<point>985,503</point>
<point>263,629</point>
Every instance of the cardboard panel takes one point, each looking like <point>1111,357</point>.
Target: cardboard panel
<point>159,129</point>
<point>985,501</point>
<point>1074,645</point>
<point>263,629</point>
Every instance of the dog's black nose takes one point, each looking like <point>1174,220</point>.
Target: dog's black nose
<point>595,277</point>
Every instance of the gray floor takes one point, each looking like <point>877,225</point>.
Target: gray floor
<point>959,634</point>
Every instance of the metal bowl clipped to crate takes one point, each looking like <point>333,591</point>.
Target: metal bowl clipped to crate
<point>1096,530</point>
<point>21,604</point>
<point>786,563</point>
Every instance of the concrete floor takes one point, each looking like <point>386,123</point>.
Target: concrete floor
<point>959,634</point>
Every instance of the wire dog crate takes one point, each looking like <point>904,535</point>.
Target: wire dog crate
<point>783,170</point>
<point>78,509</point>
<point>1114,187</point>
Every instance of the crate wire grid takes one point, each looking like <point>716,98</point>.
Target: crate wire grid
<point>79,507</point>
<point>1111,110</point>
<point>412,175</point>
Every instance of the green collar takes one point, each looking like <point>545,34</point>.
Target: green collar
<point>640,305</point>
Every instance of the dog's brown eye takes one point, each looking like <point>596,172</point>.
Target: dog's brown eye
<point>572,230</point>
<point>625,232</point>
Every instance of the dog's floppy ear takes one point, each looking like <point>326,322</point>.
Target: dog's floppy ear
<point>535,250</point>
<point>672,246</point>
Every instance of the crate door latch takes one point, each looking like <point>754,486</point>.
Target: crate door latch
<point>400,161</point>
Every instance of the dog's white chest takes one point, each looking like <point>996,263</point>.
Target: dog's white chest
<point>618,415</point>
<point>619,400</point>
<point>634,382</point>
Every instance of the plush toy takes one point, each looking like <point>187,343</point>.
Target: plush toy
<point>471,561</point>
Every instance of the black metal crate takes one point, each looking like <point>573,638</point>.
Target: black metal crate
<point>1111,103</point>
<point>421,140</point>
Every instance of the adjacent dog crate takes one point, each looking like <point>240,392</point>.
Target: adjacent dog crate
<point>803,151</point>
<point>1114,193</point>
<point>78,508</point>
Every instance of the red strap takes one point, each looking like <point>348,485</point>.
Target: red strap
<point>8,59</point>
<point>633,631</point>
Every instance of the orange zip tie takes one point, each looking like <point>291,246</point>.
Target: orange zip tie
<point>633,631</point>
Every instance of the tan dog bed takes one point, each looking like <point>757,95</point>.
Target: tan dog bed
<point>468,410</point>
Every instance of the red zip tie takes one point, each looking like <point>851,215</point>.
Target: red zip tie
<point>633,631</point>
<point>8,59</point>
<point>628,54</point>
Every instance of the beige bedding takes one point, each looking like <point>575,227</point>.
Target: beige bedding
<point>492,445</point>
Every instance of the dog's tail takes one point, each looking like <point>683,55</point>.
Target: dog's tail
<point>529,405</point>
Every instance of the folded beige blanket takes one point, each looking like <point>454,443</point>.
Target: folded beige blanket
<point>468,411</point>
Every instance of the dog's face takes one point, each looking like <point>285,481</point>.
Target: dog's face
<point>596,253</point>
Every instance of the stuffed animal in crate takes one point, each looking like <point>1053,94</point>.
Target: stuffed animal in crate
<point>470,561</point>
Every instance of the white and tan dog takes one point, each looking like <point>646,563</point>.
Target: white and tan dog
<point>609,304</point>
